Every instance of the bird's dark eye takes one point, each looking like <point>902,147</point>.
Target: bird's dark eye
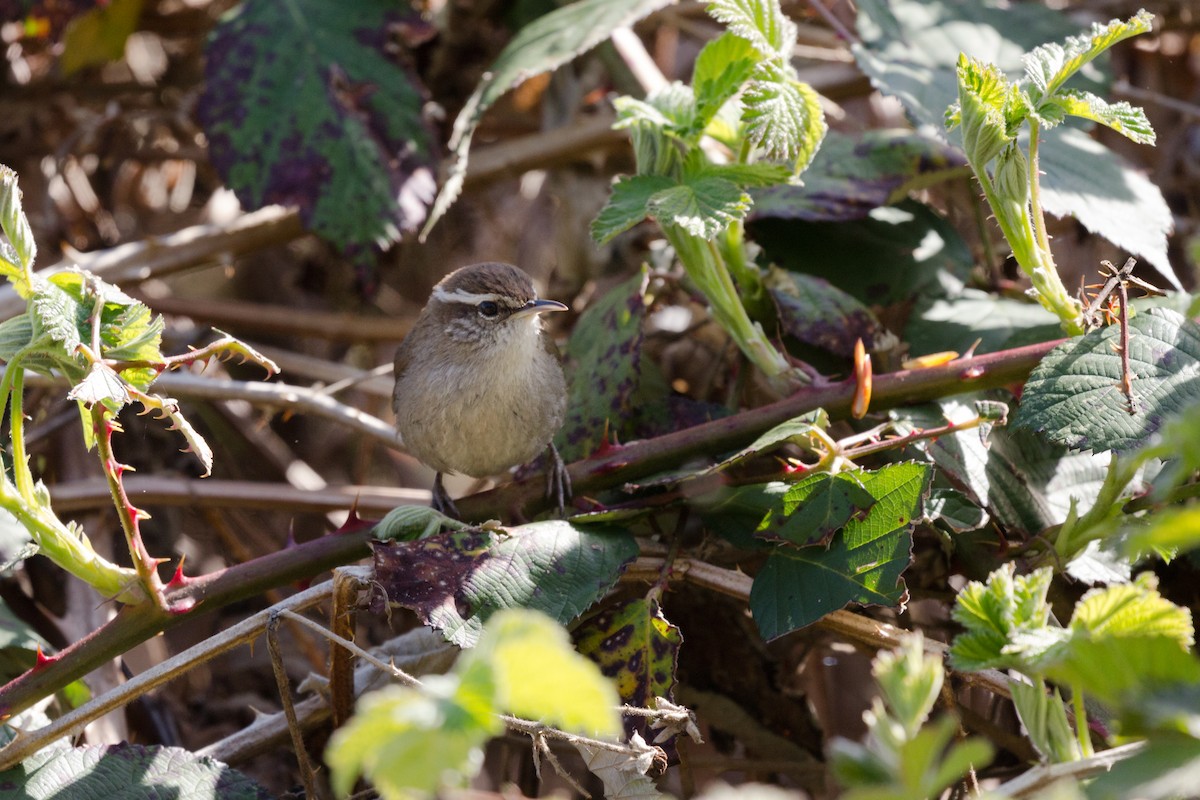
<point>489,309</point>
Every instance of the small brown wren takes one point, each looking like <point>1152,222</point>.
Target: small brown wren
<point>479,387</point>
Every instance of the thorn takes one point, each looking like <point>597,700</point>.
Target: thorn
<point>43,660</point>
<point>178,580</point>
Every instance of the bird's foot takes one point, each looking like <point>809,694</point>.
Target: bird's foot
<point>441,499</point>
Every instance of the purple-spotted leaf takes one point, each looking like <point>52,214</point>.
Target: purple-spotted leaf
<point>819,314</point>
<point>637,647</point>
<point>852,175</point>
<point>456,580</point>
<point>863,564</point>
<point>614,392</point>
<point>304,105</point>
<point>126,771</point>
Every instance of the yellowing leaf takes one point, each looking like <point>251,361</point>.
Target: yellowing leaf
<point>540,676</point>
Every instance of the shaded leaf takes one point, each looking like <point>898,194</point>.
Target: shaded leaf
<point>304,105</point>
<point>853,174</point>
<point>638,648</point>
<point>797,586</point>
<point>954,323</point>
<point>1074,396</point>
<point>955,511</point>
<point>723,66</point>
<point>816,508</point>
<point>1168,767</point>
<point>455,581</point>
<point>21,249</point>
<point>622,774</point>
<point>1044,718</point>
<point>797,430</point>
<point>918,246</point>
<point>817,313</point>
<point>542,45</point>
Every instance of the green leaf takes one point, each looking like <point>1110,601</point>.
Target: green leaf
<point>627,205</point>
<point>405,523</point>
<point>1050,66</point>
<point>542,45</point>
<point>304,104</point>
<point>1133,609</point>
<point>102,385</point>
<point>799,585</point>
<point>760,22</point>
<point>570,693</point>
<point>1119,670</point>
<point>816,508</point>
<point>1127,120</point>
<point>723,66</point>
<point>1171,529</point>
<point>819,314</point>
<point>982,95</point>
<point>783,117</point>
<point>954,510</point>
<point>703,207</point>
<point>910,681</point>
<point>17,263</point>
<point>995,613</point>
<point>638,648</point>
<point>455,581</point>
<point>615,395</point>
<point>98,35</point>
<point>1074,396</point>
<point>128,771</point>
<point>407,740</point>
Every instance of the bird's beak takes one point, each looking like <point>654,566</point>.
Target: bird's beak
<point>538,307</point>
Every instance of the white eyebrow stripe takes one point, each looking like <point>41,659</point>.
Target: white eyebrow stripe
<point>459,296</point>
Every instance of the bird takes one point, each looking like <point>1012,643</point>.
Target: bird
<point>479,385</point>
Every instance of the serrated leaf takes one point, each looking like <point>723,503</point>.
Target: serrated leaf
<point>136,771</point>
<point>703,207</point>
<point>982,91</point>
<point>16,333</point>
<point>544,44</point>
<point>910,681</point>
<point>570,693</point>
<point>1132,609</point>
<point>415,741</point>
<point>1074,396</point>
<point>627,205</point>
<point>748,176</point>
<point>1118,670</point>
<point>783,117</point>
<point>102,385</point>
<point>760,22</point>
<point>1171,529</point>
<point>15,225</point>
<point>995,613</point>
<point>1127,120</point>
<point>98,35</point>
<point>955,510</point>
<point>799,585</point>
<point>723,66</point>
<point>1048,67</point>
<point>819,314</point>
<point>304,105</point>
<point>622,774</point>
<point>405,523</point>
<point>455,581</point>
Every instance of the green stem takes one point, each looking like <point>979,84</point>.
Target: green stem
<point>20,458</point>
<point>1081,723</point>
<point>1035,197</point>
<point>702,260</point>
<point>1013,217</point>
<point>1099,521</point>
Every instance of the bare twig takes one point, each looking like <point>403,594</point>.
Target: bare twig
<point>1028,783</point>
<point>311,788</point>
